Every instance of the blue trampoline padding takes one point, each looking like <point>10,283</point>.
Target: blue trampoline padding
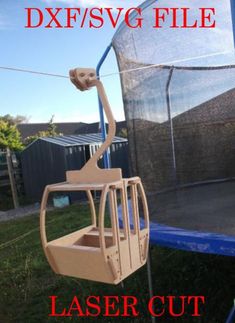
<point>178,238</point>
<point>192,240</point>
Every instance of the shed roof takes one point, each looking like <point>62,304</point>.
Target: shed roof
<point>80,140</point>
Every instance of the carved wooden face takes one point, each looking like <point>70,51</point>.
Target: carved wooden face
<point>82,77</point>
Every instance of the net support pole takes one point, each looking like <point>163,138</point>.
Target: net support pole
<point>233,19</point>
<point>150,282</point>
<point>231,317</point>
<point>168,101</point>
<point>107,163</point>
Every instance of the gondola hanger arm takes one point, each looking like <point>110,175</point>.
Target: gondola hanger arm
<point>84,79</point>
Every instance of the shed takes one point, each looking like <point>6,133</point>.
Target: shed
<point>46,160</point>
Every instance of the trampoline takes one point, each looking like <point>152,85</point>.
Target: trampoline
<point>178,89</point>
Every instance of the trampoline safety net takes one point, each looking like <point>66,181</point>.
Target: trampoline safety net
<point>181,117</point>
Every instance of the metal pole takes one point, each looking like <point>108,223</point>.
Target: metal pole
<point>101,112</point>
<point>168,102</point>
<point>233,19</point>
<point>150,282</point>
<point>231,317</point>
<point>107,165</point>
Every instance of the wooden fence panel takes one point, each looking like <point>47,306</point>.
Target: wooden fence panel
<point>11,174</point>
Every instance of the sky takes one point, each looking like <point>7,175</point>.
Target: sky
<point>54,51</point>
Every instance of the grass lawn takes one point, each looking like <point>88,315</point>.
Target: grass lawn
<point>26,280</point>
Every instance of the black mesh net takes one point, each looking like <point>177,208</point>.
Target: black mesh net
<point>181,117</point>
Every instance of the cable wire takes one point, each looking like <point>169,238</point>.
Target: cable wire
<point>14,69</point>
<point>22,70</point>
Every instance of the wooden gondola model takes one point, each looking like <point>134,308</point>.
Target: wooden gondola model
<point>96,252</point>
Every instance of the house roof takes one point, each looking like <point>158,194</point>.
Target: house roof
<point>66,128</point>
<point>79,140</point>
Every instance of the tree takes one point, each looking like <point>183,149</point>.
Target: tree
<point>123,133</point>
<point>15,120</point>
<point>50,132</point>
<point>30,139</point>
<point>9,136</point>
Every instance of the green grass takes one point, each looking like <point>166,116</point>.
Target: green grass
<point>26,280</point>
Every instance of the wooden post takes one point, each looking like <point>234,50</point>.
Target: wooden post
<point>12,179</point>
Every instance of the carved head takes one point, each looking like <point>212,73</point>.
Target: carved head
<point>83,78</point>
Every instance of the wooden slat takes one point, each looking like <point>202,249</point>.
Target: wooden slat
<point>12,179</point>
